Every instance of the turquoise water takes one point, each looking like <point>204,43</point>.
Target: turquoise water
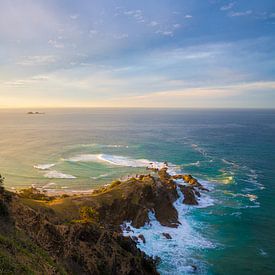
<point>231,151</point>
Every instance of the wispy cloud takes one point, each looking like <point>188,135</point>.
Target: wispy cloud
<point>121,36</point>
<point>165,32</point>
<point>206,92</point>
<point>136,14</point>
<point>74,16</point>
<point>37,60</point>
<point>56,44</point>
<point>153,23</point>
<point>229,6</point>
<point>240,13</point>
<point>176,26</point>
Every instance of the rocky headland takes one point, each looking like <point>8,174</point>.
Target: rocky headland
<point>82,234</point>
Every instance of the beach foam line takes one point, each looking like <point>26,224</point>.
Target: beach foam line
<point>44,166</point>
<point>116,160</point>
<point>91,145</point>
<point>58,175</point>
<point>100,176</point>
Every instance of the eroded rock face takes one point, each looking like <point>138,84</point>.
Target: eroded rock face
<point>98,247</point>
<point>83,248</point>
<point>192,181</point>
<point>137,198</point>
<point>189,195</point>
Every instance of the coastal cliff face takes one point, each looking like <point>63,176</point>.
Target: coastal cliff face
<point>82,234</point>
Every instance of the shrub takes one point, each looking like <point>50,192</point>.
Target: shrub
<point>115,183</point>
<point>88,214</point>
<point>35,194</point>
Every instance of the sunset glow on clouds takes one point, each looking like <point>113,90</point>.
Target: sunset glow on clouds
<point>137,53</point>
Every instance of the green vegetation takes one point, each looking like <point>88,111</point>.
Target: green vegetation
<point>18,255</point>
<point>88,214</point>
<point>35,194</point>
<point>115,183</point>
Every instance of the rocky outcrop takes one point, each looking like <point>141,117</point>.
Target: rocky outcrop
<point>137,197</point>
<point>140,236</point>
<point>192,181</point>
<point>189,195</point>
<point>167,236</point>
<point>79,247</point>
<point>83,235</point>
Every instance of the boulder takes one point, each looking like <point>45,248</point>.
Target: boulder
<point>167,236</point>
<point>189,195</point>
<point>140,236</point>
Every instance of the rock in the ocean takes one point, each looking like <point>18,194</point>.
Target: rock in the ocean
<point>167,236</point>
<point>189,195</point>
<point>140,236</point>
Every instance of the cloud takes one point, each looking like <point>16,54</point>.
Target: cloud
<point>136,14</point>
<point>74,16</point>
<point>165,33</point>
<point>37,60</point>
<point>176,26</point>
<point>241,13</point>
<point>120,36</point>
<point>153,23</point>
<point>27,82</point>
<point>229,6</point>
<point>56,44</point>
<point>188,16</point>
<point>214,91</point>
<point>27,20</point>
<point>93,32</point>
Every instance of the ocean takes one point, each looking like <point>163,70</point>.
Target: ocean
<point>232,152</point>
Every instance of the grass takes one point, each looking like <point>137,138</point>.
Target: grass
<point>18,255</point>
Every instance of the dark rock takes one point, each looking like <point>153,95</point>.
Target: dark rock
<point>135,238</point>
<point>167,236</point>
<point>142,238</point>
<point>189,195</point>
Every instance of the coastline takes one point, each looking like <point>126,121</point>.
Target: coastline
<point>109,208</point>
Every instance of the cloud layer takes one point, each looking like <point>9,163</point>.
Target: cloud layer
<point>147,54</point>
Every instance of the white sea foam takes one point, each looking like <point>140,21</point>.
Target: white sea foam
<point>177,253</point>
<point>44,166</point>
<point>228,162</point>
<point>117,160</point>
<point>100,176</point>
<point>262,252</point>
<point>197,163</point>
<point>102,145</point>
<point>58,175</point>
<point>48,185</point>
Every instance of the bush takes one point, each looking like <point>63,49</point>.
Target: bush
<point>115,183</point>
<point>88,214</point>
<point>35,194</point>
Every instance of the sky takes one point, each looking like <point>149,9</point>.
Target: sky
<point>145,53</point>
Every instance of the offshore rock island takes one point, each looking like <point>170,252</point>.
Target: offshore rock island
<point>83,234</point>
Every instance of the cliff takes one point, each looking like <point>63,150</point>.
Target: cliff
<point>82,234</point>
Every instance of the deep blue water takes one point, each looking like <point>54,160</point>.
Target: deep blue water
<point>231,150</point>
